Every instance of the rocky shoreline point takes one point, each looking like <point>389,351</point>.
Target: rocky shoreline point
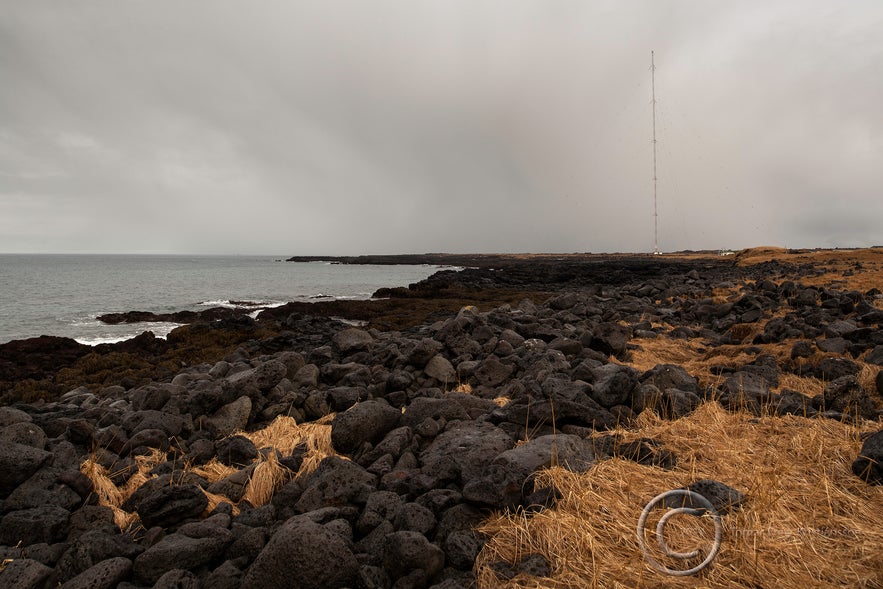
<point>317,454</point>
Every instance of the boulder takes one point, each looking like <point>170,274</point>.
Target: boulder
<point>177,551</point>
<point>150,419</point>
<point>613,384</point>
<point>464,451</point>
<point>875,356</point>
<point>670,376</point>
<point>505,482</point>
<point>830,369</point>
<point>381,506</point>
<point>423,408</point>
<point>306,376</point>
<point>17,463</point>
<point>406,551</point>
<point>335,483</point>
<point>441,370</point>
<point>833,345</point>
<point>94,547</point>
<point>423,352</point>
<point>177,579</point>
<point>25,433</point>
<point>145,439</point>
<point>364,422</point>
<point>847,396</point>
<point>415,518</point>
<point>236,451</point>
<point>303,555</point>
<point>229,418</point>
<point>170,505</point>
<point>608,338</point>
<point>342,398</point>
<point>545,412</point>
<point>106,574</point>
<point>48,523</point>
<point>869,464</point>
<point>802,349</point>
<point>352,340</point>
<point>492,372</point>
<point>25,573</point>
<point>10,415</point>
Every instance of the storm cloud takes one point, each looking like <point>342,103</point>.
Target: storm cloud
<point>347,127</point>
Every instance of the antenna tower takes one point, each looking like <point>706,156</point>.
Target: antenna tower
<point>655,210</point>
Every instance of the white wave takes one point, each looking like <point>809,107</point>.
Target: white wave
<point>228,304</point>
<point>132,330</point>
<point>351,322</point>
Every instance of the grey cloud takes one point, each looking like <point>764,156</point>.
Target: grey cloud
<point>351,127</point>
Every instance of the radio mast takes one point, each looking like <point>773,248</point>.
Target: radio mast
<point>655,210</point>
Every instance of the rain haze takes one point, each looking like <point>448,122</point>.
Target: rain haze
<point>352,127</point>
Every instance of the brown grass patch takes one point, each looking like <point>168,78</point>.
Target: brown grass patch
<point>807,521</point>
<point>283,434</point>
<point>214,470</point>
<point>268,476</point>
<point>840,265</point>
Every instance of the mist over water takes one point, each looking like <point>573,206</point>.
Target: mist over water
<point>62,295</point>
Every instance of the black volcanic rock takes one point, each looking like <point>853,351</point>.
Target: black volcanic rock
<point>869,464</point>
<point>39,356</point>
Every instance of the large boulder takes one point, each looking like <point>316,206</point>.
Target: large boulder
<point>229,418</point>
<point>336,483</point>
<point>464,451</point>
<point>17,463</point>
<point>178,551</point>
<point>107,574</point>
<point>875,356</point>
<point>351,340</point>
<point>10,415</point>
<point>48,523</point>
<point>492,372</point>
<point>25,433</point>
<point>847,396</point>
<point>303,555</point>
<point>423,408</point>
<point>506,481</point>
<point>613,384</point>
<point>830,369</point>
<point>170,505</point>
<point>406,553</point>
<point>94,547</point>
<point>670,376</point>
<point>608,338</point>
<point>369,421</point>
<point>441,369</point>
<point>25,573</point>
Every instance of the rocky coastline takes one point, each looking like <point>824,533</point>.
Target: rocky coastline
<point>299,450</point>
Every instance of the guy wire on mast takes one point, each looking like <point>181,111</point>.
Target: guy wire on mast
<point>655,210</point>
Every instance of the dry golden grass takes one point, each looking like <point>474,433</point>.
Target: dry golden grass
<point>807,521</point>
<point>268,476</point>
<point>835,262</point>
<point>213,470</point>
<point>283,434</point>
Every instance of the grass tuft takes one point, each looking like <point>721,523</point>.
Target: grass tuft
<point>807,521</point>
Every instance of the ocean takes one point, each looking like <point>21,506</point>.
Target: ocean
<point>62,295</point>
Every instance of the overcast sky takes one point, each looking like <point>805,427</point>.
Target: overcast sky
<point>348,127</point>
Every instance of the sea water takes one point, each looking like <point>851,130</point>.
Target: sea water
<point>62,295</point>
